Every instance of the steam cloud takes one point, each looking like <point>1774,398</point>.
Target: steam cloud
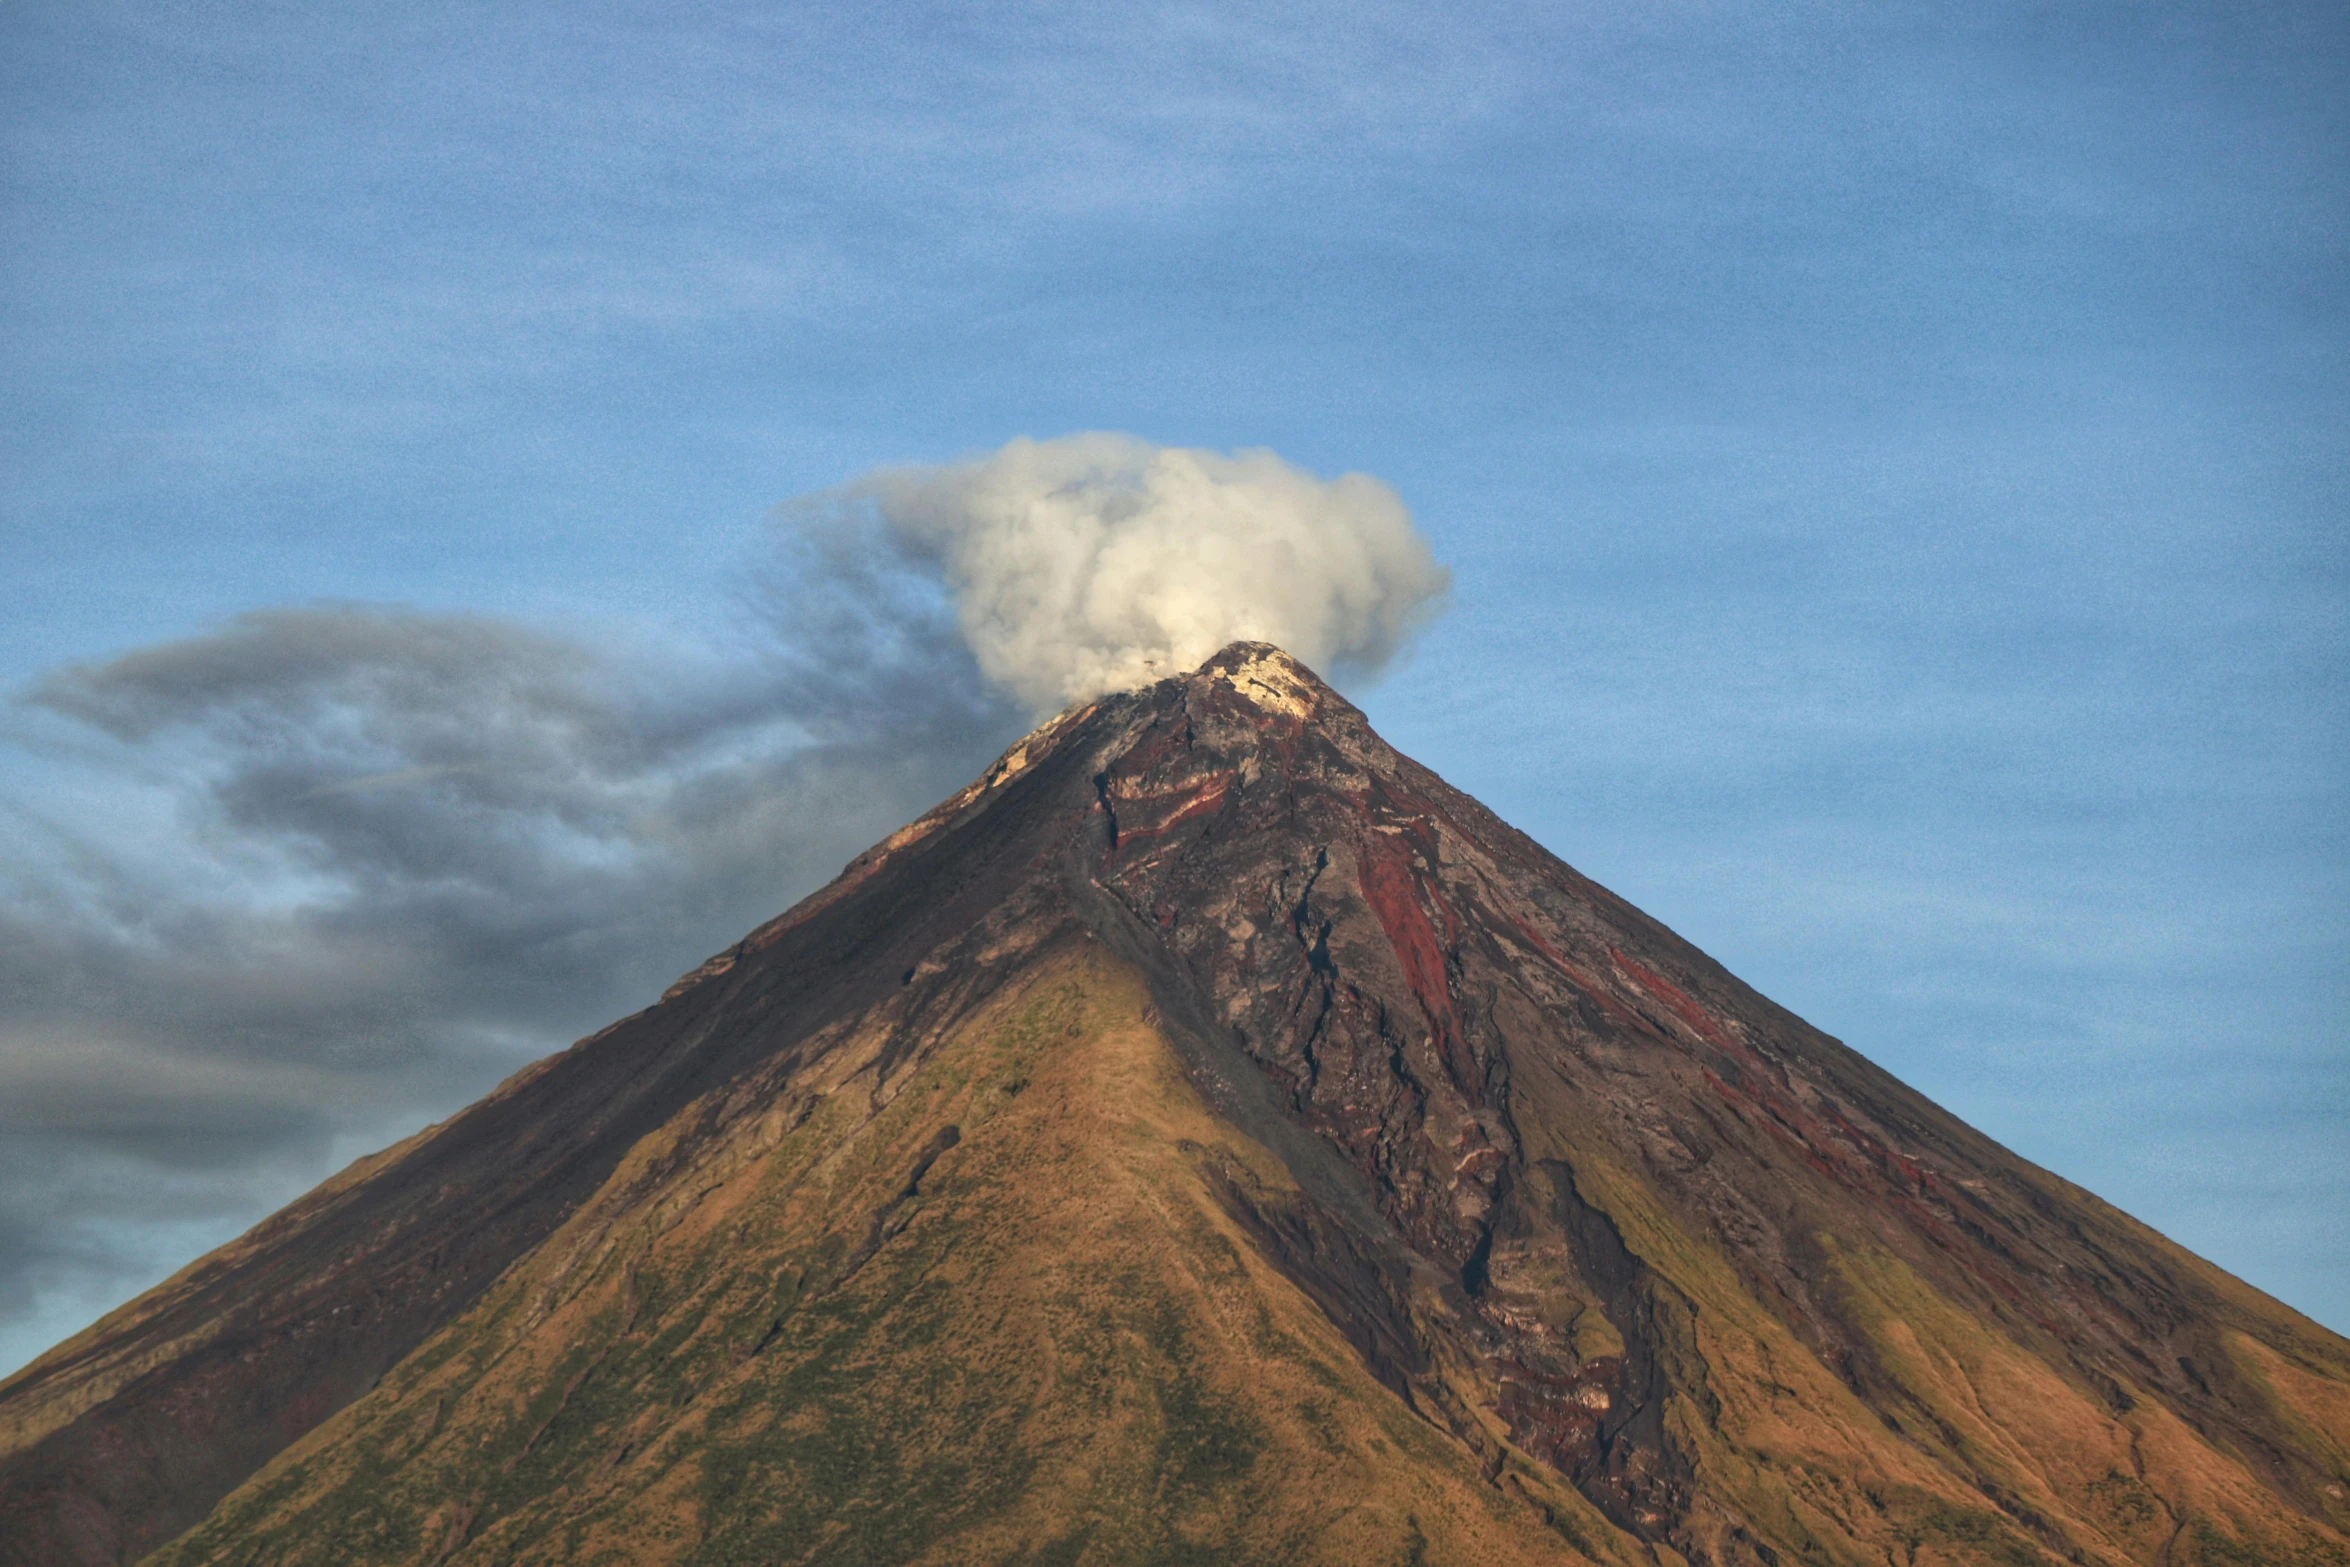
<point>384,856</point>
<point>1099,562</point>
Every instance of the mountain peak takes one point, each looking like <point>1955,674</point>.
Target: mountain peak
<point>1268,677</point>
<point>1207,1132</point>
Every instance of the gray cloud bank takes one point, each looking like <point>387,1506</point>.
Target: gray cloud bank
<point>327,872</point>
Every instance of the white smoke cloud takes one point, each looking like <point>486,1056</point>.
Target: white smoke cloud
<point>1099,562</point>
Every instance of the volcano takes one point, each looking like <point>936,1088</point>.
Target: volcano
<point>1208,1138</point>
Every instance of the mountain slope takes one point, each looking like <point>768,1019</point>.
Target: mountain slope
<point>999,1315</point>
<point>1209,1135</point>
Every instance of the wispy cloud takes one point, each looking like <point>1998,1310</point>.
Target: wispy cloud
<point>424,848</point>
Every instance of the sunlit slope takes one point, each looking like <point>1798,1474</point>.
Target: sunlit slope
<point>980,1307</point>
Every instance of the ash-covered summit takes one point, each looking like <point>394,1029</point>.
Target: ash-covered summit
<point>1207,1137</point>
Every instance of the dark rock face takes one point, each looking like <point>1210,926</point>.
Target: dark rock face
<point>1525,1122</point>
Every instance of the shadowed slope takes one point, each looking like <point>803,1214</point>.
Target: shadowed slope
<point>1657,1263</point>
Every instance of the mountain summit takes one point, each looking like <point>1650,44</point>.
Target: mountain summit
<point>1208,1137</point>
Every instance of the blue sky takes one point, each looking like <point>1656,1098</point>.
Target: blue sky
<point>1891,458</point>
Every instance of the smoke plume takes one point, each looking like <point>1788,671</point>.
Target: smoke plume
<point>1098,562</point>
<point>284,891</point>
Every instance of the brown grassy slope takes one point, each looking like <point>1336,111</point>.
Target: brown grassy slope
<point>1051,1345</point>
<point>1991,1454</point>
